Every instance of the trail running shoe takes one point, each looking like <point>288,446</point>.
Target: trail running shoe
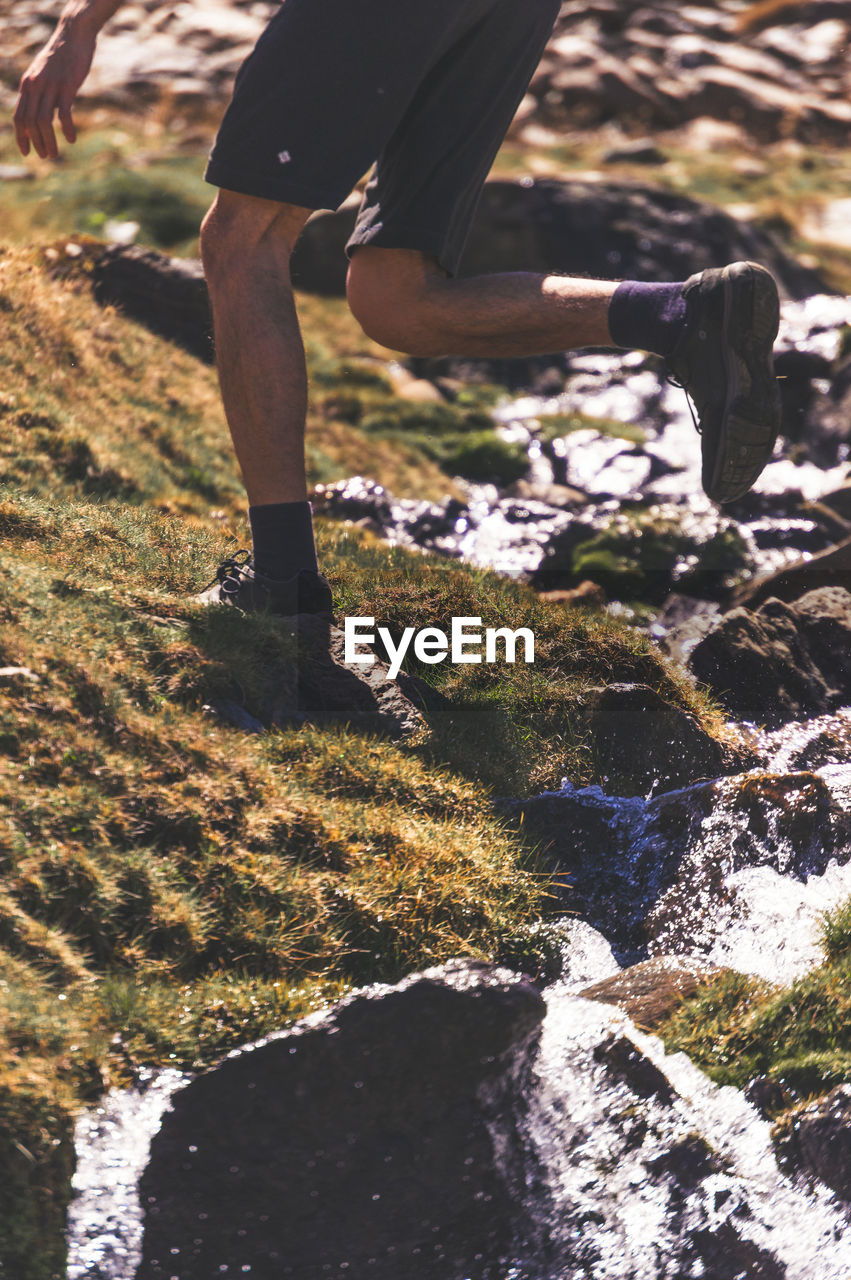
<point>724,362</point>
<point>238,584</point>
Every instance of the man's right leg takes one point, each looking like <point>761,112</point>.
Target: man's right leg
<point>246,243</point>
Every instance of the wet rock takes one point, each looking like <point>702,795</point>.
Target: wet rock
<point>782,662</point>
<point>689,1161</point>
<point>681,64</point>
<point>726,1254</point>
<point>606,229</point>
<point>816,1139</point>
<point>361,1141</point>
<point>625,1062</point>
<point>769,1096</point>
<point>675,750</point>
<point>681,623</point>
<point>650,991</point>
<point>812,744</point>
<point>628,1136</point>
<point>644,552</point>
<point>641,151</point>
<point>830,568</point>
<point>684,872</point>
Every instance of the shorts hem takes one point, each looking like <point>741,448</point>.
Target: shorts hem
<point>267,188</point>
<point>421,240</point>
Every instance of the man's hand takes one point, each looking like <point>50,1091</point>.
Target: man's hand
<point>49,86</point>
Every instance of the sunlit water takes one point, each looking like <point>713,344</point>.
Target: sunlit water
<point>113,1140</point>
<point>618,1206</point>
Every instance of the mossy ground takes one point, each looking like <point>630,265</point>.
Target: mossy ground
<point>738,1028</point>
<point>172,887</point>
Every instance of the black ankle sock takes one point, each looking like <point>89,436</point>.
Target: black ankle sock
<point>282,536</point>
<point>647,317</point>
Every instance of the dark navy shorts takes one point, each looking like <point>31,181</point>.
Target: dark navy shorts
<point>423,89</point>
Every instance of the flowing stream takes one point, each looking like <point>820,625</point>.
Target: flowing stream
<point>676,1178</point>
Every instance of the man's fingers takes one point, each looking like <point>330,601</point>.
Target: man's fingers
<point>41,124</point>
<point>22,136</point>
<point>69,129</point>
<point>33,119</point>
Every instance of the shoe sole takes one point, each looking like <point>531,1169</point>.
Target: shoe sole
<point>750,418</point>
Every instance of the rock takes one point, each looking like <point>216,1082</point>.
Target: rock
<point>643,552</point>
<point>650,991</point>
<point>641,151</point>
<point>816,1139</point>
<point>823,741</point>
<point>605,229</point>
<point>167,295</point>
<point>320,688</point>
<point>671,875</point>
<point>625,1061</point>
<point>18,675</point>
<point>587,595</point>
<point>675,749</point>
<point>757,666</point>
<point>728,94</point>
<point>831,568</point>
<point>783,662</point>
<point>370,1139</point>
<point>681,623</point>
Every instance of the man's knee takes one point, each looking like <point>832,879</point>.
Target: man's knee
<point>388,293</point>
<point>237,226</point>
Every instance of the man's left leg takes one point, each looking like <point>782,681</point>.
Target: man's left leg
<point>406,302</point>
<point>716,331</point>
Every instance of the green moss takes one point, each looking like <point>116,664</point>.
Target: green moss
<point>554,426</point>
<point>639,553</point>
<point>836,932</point>
<point>737,1028</point>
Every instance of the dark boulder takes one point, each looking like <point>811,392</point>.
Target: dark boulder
<point>830,568</point>
<point>604,229</point>
<point>374,1139</point>
<point>166,295</point>
<point>675,749</point>
<point>782,662</point>
<point>817,1140</point>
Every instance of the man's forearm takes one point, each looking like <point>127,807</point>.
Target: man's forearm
<point>87,15</point>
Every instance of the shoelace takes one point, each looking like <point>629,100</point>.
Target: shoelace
<point>230,571</point>
<point>672,382</point>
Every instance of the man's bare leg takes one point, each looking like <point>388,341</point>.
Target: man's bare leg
<point>246,244</point>
<point>405,301</point>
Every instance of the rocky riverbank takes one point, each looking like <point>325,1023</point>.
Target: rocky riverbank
<point>773,71</point>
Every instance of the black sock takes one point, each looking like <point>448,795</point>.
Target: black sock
<point>282,536</point>
<point>647,317</point>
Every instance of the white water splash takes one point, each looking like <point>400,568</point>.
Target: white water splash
<point>617,1211</point>
<point>113,1141</point>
